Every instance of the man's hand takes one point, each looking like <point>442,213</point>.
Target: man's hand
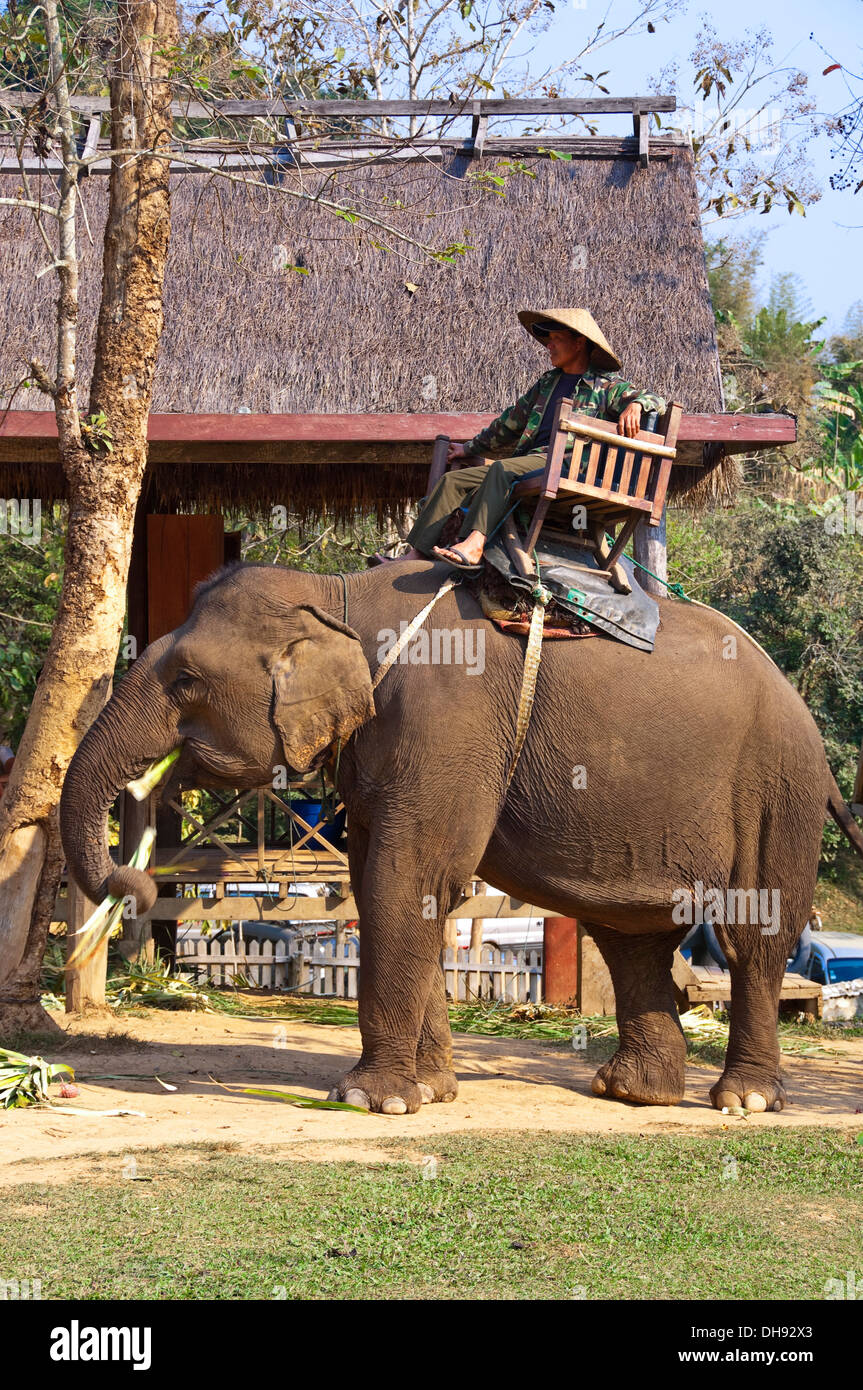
<point>455,451</point>
<point>630,420</point>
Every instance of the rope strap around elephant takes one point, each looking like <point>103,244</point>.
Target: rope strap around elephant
<point>542,597</point>
<point>409,633</point>
<point>389,660</point>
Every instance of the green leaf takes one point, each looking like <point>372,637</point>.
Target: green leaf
<point>304,1102</point>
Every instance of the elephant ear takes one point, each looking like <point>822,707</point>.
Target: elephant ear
<point>322,686</point>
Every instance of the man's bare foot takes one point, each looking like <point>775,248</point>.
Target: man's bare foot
<point>455,557</point>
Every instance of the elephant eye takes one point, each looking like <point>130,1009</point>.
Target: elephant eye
<point>184,685</point>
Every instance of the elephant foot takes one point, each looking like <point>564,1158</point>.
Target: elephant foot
<point>384,1092</point>
<point>748,1089</point>
<point>643,1079</point>
<point>436,1083</point>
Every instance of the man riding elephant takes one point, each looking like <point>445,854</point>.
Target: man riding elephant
<point>583,368</point>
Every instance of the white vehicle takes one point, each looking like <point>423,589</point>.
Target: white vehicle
<point>252,929</point>
<point>504,933</point>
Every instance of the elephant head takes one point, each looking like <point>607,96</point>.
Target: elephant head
<point>251,683</point>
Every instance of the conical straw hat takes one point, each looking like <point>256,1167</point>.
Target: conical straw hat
<point>579,321</point>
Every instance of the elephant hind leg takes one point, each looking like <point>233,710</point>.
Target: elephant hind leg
<point>757,956</point>
<point>760,930</point>
<point>649,1065</point>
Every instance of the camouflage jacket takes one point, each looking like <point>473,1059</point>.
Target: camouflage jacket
<point>598,393</point>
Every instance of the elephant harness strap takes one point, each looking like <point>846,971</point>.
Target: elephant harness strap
<point>541,597</point>
<point>409,633</point>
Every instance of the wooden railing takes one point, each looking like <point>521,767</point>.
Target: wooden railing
<point>242,146</point>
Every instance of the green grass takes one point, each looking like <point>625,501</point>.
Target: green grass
<point>522,1216</point>
<point>839,898</point>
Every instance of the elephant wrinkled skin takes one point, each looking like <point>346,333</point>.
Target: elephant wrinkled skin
<point>697,768</point>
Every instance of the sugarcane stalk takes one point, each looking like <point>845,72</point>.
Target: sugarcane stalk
<point>102,921</point>
<point>142,786</point>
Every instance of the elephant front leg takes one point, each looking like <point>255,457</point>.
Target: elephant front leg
<point>399,960</point>
<point>649,1065</point>
<point>434,1068</point>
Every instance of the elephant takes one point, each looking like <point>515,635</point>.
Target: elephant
<point>645,780</point>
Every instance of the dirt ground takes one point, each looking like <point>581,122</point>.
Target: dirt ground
<point>505,1085</point>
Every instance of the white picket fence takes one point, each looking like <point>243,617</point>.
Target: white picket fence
<point>307,967</point>
<point>513,976</point>
<point>325,968</point>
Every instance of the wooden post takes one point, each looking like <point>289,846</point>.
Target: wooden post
<point>85,985</point>
<point>560,974</point>
<point>438,463</point>
<point>477,923</point>
<point>595,990</point>
<point>181,551</point>
<point>649,549</point>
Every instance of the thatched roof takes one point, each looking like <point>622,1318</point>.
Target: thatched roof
<point>244,333</point>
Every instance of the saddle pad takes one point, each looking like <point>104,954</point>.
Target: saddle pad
<point>630,618</point>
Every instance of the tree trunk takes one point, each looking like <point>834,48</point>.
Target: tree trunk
<point>103,488</point>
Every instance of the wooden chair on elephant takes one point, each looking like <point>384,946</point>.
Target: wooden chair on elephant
<point>619,481</point>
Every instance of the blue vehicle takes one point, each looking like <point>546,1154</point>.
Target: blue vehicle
<point>702,947</point>
<point>837,956</point>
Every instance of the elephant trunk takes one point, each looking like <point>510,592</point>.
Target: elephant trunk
<point>136,727</point>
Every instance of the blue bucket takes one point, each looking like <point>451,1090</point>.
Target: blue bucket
<point>310,811</point>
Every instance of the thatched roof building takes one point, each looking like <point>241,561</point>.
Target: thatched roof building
<point>273,305</point>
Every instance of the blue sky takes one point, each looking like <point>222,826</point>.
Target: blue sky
<point>818,247</point>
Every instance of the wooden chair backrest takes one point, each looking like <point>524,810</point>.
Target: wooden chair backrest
<point>625,468</point>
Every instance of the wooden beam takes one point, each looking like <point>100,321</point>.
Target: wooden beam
<point>489,106</point>
<point>485,907</point>
<point>31,435</point>
<point>323,154</point>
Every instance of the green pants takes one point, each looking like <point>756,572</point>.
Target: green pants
<point>489,486</point>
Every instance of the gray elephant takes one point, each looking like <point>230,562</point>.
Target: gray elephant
<point>704,778</point>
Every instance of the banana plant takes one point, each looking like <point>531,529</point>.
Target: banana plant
<point>25,1080</point>
<point>840,400</point>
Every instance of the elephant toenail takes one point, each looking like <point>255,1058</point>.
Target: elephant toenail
<point>394,1105</point>
<point>598,1087</point>
<point>427,1093</point>
<point>726,1100</point>
<point>755,1101</point>
<point>450,1095</point>
<point>777,1105</point>
<point>357,1097</point>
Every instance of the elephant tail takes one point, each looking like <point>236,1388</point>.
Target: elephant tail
<point>843,817</point>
